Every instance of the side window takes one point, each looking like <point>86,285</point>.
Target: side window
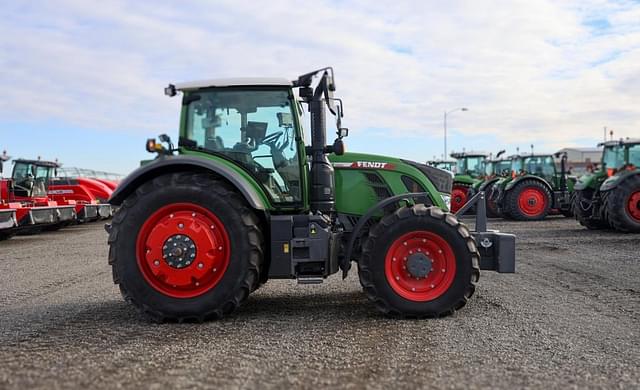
<point>634,155</point>
<point>277,151</point>
<point>255,128</point>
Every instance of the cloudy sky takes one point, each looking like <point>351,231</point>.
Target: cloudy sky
<point>83,82</point>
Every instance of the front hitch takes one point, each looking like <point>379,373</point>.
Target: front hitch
<point>497,250</point>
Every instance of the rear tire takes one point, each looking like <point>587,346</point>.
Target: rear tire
<point>623,206</point>
<point>529,200</point>
<point>206,282</point>
<point>451,263</point>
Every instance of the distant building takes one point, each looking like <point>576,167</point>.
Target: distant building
<point>580,160</point>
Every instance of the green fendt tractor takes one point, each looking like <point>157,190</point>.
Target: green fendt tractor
<point>469,170</point>
<point>534,189</point>
<point>494,170</point>
<point>243,199</point>
<point>611,195</point>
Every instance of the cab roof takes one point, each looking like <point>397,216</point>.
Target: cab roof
<point>41,163</point>
<point>628,141</point>
<point>469,154</point>
<point>233,82</point>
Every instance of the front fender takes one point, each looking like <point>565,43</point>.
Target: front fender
<point>488,184</point>
<point>171,164</point>
<point>519,179</point>
<point>618,178</point>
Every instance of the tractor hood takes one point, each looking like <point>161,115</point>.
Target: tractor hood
<point>441,179</point>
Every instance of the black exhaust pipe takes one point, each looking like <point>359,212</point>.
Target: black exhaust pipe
<point>322,197</point>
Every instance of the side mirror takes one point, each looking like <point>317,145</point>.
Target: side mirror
<point>343,132</point>
<point>164,138</point>
<point>338,147</point>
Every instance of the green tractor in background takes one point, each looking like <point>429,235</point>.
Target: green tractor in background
<point>534,189</point>
<point>243,199</point>
<point>469,171</point>
<point>610,197</point>
<point>494,169</point>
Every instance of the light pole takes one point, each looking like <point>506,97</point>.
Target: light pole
<point>445,126</point>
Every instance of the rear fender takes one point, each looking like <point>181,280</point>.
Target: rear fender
<point>617,179</point>
<point>519,179</point>
<point>172,164</point>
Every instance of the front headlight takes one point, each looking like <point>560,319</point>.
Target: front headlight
<point>446,198</point>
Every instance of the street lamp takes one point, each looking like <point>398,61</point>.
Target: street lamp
<point>445,126</point>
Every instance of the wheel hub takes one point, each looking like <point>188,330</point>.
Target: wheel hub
<point>419,265</point>
<point>179,251</point>
<point>183,250</point>
<point>633,205</point>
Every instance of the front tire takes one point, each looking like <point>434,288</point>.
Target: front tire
<point>419,262</point>
<point>185,246</point>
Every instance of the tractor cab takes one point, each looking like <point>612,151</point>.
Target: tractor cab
<point>30,179</point>
<point>470,163</point>
<point>543,166</point>
<point>494,168</point>
<point>622,154</point>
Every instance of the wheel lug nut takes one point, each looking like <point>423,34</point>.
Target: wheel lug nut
<point>171,216</point>
<point>193,214</point>
<point>213,227</point>
<point>394,259</point>
<point>156,263</point>
<point>404,243</point>
<point>397,278</point>
<point>219,248</point>
<point>180,226</point>
<point>215,269</point>
<point>200,265</point>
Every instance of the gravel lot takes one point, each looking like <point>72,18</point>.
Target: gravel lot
<point>570,317</point>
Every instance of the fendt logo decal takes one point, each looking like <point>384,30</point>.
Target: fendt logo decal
<point>365,165</point>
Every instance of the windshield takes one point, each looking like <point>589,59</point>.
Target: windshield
<point>543,166</point>
<point>502,167</point>
<point>470,166</point>
<point>30,179</point>
<point>255,128</point>
<point>613,157</point>
<point>489,168</point>
<point>634,155</point>
<point>444,165</point>
<point>516,165</point>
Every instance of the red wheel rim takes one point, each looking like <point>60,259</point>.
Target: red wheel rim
<point>183,250</point>
<point>420,288</point>
<point>458,197</point>
<point>532,202</point>
<point>633,205</point>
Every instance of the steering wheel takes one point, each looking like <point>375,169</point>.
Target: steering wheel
<point>272,138</point>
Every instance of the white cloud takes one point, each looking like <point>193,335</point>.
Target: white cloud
<point>540,72</point>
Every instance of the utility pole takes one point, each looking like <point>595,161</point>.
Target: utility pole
<point>445,126</point>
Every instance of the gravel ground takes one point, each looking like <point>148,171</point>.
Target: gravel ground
<point>569,318</point>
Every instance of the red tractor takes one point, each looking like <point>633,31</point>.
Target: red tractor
<point>26,209</point>
<point>90,194</point>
